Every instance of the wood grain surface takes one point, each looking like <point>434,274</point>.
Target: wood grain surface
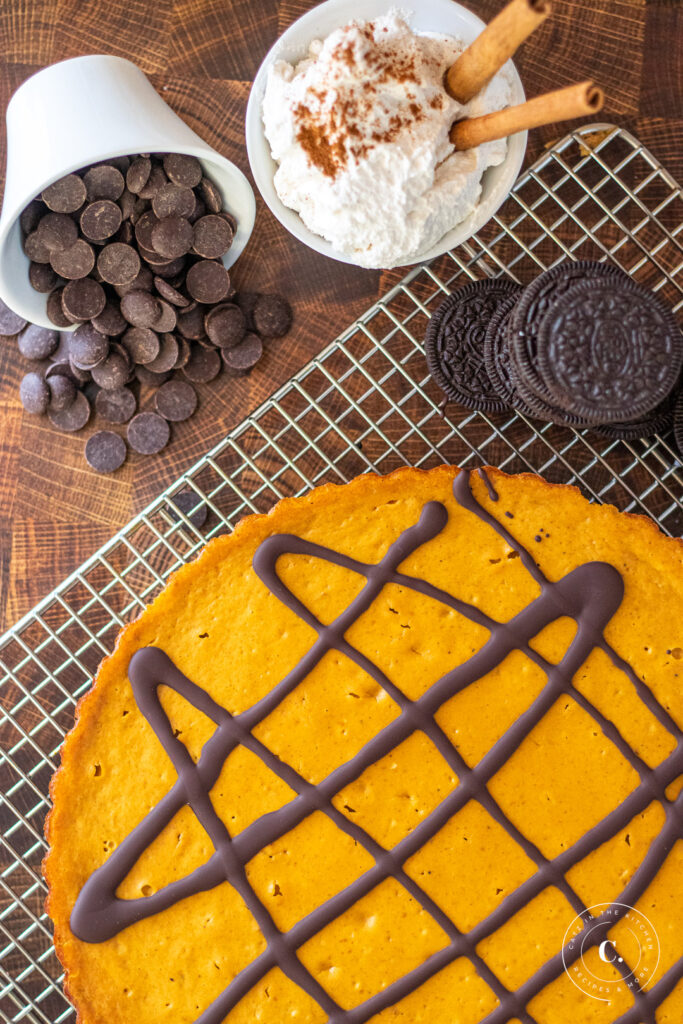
<point>201,55</point>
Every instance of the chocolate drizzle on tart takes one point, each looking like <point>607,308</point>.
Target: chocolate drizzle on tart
<point>590,594</point>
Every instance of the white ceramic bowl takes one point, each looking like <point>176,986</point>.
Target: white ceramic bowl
<point>77,113</point>
<point>443,16</point>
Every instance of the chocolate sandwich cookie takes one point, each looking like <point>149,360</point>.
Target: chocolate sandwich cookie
<point>454,343</point>
<point>608,350</point>
<point>497,357</point>
<point>678,421</point>
<point>524,323</point>
<point>659,421</point>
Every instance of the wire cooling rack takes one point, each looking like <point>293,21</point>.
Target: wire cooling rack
<point>365,403</point>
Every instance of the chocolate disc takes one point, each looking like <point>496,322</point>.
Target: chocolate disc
<point>172,237</point>
<point>244,356</point>
<point>173,200</point>
<point>74,418</point>
<point>454,342</point>
<point>88,348</point>
<point>172,270</point>
<point>208,282</point>
<point>138,173</point>
<point>211,196</point>
<point>43,277</point>
<point>104,181</point>
<point>101,219</point>
<point>176,400</point>
<point>75,262</point>
<point>168,292</point>
<point>225,325</point>
<point>10,322</point>
<point>150,379</point>
<point>184,352</point>
<point>62,392</point>
<point>140,309</point>
<point>30,215</point>
<point>191,506</point>
<point>609,350</point>
<point>105,451</point>
<point>143,231</point>
<point>272,316</point>
<point>182,169</point>
<point>167,318</point>
<point>126,203</point>
<point>202,366</point>
<point>57,231</point>
<point>118,263</point>
<point>191,323</point>
<point>148,433</point>
<point>247,303</point>
<point>116,405</point>
<point>55,311</point>
<point>110,321</point>
<point>66,195</point>
<point>34,394</point>
<point>35,248</point>
<point>212,236</point>
<point>167,356</point>
<point>112,372</point>
<point>83,299</point>
<point>142,344</point>
<point>37,342</point>
<point>142,282</point>
<point>156,181</point>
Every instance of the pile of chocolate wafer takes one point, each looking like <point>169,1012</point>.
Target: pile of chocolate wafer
<point>583,345</point>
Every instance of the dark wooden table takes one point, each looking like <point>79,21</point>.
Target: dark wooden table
<point>201,55</point>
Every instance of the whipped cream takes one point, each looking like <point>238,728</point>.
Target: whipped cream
<point>359,130</point>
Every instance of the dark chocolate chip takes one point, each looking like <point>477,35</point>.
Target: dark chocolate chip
<point>112,372</point>
<point>148,433</point>
<point>43,277</point>
<point>172,237</point>
<point>167,318</point>
<point>244,356</point>
<point>173,201</point>
<point>212,236</point>
<point>166,358</point>
<point>225,325</point>
<point>126,203</point>
<point>142,282</point>
<point>37,342</point>
<point>105,451</point>
<point>141,309</point>
<point>171,269</point>
<point>88,348</point>
<point>182,169</point>
<point>100,219</point>
<point>125,233</point>
<point>191,506</point>
<point>10,322</point>
<point>110,321</point>
<point>176,400</point>
<point>55,311</point>
<point>156,181</point>
<point>66,195</point>
<point>199,210</point>
<point>103,181</point>
<point>62,392</point>
<point>57,231</point>
<point>138,173</point>
<point>202,366</point>
<point>191,322</point>
<point>150,379</point>
<point>143,230</point>
<point>208,282</point>
<point>34,393</point>
<point>75,262</point>
<point>35,248</point>
<point>116,405</point>
<point>30,215</point>
<point>142,344</point>
<point>74,418</point>
<point>247,302</point>
<point>272,316</point>
<point>454,342</point>
<point>169,293</point>
<point>210,194</point>
<point>83,299</point>
<point>184,351</point>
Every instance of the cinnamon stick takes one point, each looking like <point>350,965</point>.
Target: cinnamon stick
<point>562,105</point>
<point>496,44</point>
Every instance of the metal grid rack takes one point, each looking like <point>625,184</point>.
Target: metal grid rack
<point>365,403</point>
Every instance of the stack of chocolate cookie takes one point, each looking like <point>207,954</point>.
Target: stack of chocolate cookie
<point>583,345</point>
<point>131,251</point>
